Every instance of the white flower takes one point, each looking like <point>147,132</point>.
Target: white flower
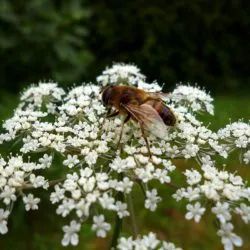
<point>121,73</point>
<point>244,212</point>
<point>222,212</point>
<point>210,191</point>
<point>125,244</point>
<point>107,202</point>
<point>195,212</point>
<point>89,184</point>
<point>193,97</point>
<point>57,195</point>
<point>76,194</point>
<point>169,246</point>
<point>3,181</point>
<point>35,93</point>
<point>146,172</point>
<point>150,241</point>
<point>145,242</point>
<point>8,195</point>
<point>118,164</point>
<point>93,196</point>
<point>152,200</point>
<point>82,208</point>
<point>235,180</point>
<point>71,236</point>
<point>192,193</point>
<point>91,158</point>
<point>228,238</point>
<point>162,175</point>
<point>236,135</point>
<point>151,87</point>
<point>232,192</point>
<point>190,150</point>
<point>127,185</point>
<point>3,221</point>
<point>46,161</point>
<point>100,226</point>
<point>246,158</point>
<point>66,207</point>
<point>71,161</point>
<point>102,181</point>
<point>38,181</point>
<point>30,202</point>
<point>179,194</point>
<point>193,176</point>
<point>2,163</point>
<point>121,209</point>
<point>70,184</point>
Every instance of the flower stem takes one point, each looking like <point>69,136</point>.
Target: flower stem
<point>51,183</point>
<point>132,215</point>
<point>118,220</point>
<point>117,230</point>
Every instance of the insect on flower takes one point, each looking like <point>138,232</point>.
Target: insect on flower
<point>146,108</point>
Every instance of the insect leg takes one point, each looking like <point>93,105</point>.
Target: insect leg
<point>109,114</point>
<point>124,121</point>
<point>146,140</point>
<point>121,133</point>
<point>127,118</point>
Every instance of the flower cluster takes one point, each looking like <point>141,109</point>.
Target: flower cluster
<point>198,100</point>
<point>17,175</point>
<point>225,191</point>
<point>147,242</point>
<point>120,73</point>
<point>126,74</point>
<point>103,163</point>
<point>46,94</point>
<point>237,136</point>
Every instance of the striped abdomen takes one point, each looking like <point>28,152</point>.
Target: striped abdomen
<point>164,112</point>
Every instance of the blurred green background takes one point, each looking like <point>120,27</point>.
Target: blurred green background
<point>204,42</point>
<point>171,41</point>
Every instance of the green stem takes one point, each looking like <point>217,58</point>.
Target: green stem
<point>51,183</point>
<point>118,220</point>
<point>132,215</point>
<point>117,230</point>
<point>142,188</point>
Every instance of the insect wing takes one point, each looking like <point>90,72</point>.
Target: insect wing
<point>149,119</point>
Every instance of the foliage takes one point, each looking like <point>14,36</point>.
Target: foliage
<point>43,38</point>
<point>197,41</point>
<point>72,41</point>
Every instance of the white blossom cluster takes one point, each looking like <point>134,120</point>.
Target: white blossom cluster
<point>102,168</point>
<point>146,242</point>
<point>190,139</point>
<point>237,136</point>
<point>44,94</point>
<point>126,74</point>
<point>119,73</point>
<point>226,192</point>
<point>17,176</point>
<point>198,100</point>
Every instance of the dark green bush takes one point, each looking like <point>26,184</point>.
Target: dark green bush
<point>43,39</point>
<point>72,41</point>
<point>197,41</point>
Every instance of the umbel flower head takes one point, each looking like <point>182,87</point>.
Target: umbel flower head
<point>100,170</point>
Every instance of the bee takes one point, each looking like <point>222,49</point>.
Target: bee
<point>146,108</point>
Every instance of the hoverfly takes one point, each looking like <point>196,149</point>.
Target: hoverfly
<point>146,108</point>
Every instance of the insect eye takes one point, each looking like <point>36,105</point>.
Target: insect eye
<point>106,94</point>
<point>104,98</point>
